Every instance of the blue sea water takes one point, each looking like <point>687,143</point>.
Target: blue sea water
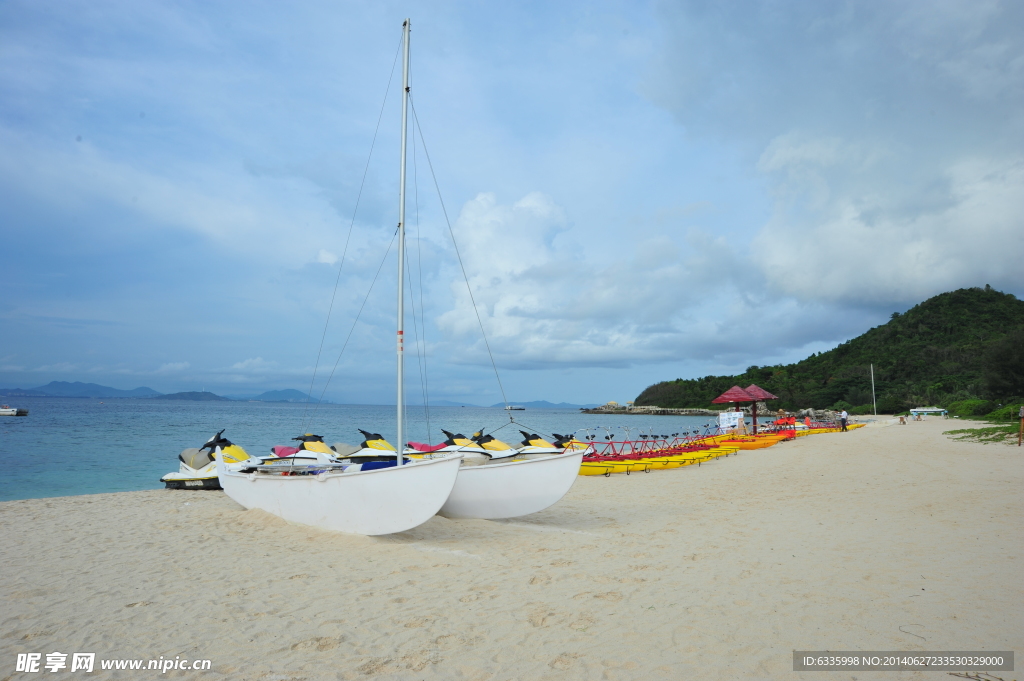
<point>69,446</point>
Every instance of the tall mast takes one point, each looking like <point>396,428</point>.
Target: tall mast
<point>400,444</point>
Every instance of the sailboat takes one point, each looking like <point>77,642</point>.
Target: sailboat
<point>344,497</point>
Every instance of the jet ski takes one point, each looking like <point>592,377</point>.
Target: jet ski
<point>534,446</point>
<point>472,453</point>
<point>372,453</point>
<point>309,445</point>
<point>198,469</point>
<point>494,447</point>
<point>477,449</point>
<point>569,442</point>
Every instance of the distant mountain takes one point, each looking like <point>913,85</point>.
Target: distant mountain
<point>193,396</point>
<point>20,392</point>
<point>544,404</point>
<point>78,389</point>
<point>449,403</point>
<point>288,395</point>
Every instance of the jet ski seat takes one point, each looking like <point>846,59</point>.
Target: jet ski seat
<point>344,449</point>
<point>195,458</point>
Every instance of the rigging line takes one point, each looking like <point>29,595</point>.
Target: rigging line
<point>351,330</point>
<point>348,239</point>
<point>462,266</point>
<point>534,431</point>
<point>501,427</point>
<point>419,265</point>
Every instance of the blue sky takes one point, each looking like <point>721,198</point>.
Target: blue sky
<point>640,191</point>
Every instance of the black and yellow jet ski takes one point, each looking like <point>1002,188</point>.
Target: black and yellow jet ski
<point>495,448</point>
<point>535,444</point>
<point>198,469</point>
<point>311,448</point>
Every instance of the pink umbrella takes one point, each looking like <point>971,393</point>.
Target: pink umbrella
<point>758,393</point>
<point>734,394</point>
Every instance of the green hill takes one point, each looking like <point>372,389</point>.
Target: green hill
<point>962,345</point>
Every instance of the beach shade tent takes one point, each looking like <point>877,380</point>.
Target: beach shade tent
<point>733,394</point>
<point>759,394</point>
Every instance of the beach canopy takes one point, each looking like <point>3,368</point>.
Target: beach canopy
<point>759,393</point>
<point>734,394</point>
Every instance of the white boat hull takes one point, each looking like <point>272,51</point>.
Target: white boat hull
<point>373,502</point>
<point>512,489</point>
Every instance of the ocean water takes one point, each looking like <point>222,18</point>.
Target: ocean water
<point>86,446</point>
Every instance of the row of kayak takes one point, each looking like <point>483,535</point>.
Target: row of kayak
<point>597,465</point>
<point>645,456</point>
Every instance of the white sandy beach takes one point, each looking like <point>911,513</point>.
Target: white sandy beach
<point>884,538</point>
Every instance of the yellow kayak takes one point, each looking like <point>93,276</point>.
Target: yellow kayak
<point>748,444</point>
<point>653,463</point>
<point>596,468</point>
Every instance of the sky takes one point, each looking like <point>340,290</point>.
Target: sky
<point>638,191</point>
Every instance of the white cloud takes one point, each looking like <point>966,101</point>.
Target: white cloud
<point>58,368</point>
<point>888,135</point>
<point>253,364</point>
<point>239,212</point>
<point>172,367</point>
<point>544,304</point>
<point>789,174</point>
<point>839,237</point>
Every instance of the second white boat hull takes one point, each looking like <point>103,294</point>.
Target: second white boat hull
<point>512,489</point>
<point>375,502</point>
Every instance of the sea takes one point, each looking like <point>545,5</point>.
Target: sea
<point>72,446</point>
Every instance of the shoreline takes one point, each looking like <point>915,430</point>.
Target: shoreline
<point>831,541</point>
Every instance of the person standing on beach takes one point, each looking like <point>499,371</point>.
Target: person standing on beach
<point>842,420</point>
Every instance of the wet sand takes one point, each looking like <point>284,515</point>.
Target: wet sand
<point>884,538</point>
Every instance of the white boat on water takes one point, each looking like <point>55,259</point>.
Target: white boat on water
<point>7,410</point>
<point>344,497</point>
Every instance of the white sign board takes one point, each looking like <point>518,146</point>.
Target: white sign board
<point>728,420</point>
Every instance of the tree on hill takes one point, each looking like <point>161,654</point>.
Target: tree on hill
<point>940,350</point>
<point>1004,366</point>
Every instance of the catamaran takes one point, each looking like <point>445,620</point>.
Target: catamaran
<point>345,497</point>
<point>497,480</point>
<point>481,478</point>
